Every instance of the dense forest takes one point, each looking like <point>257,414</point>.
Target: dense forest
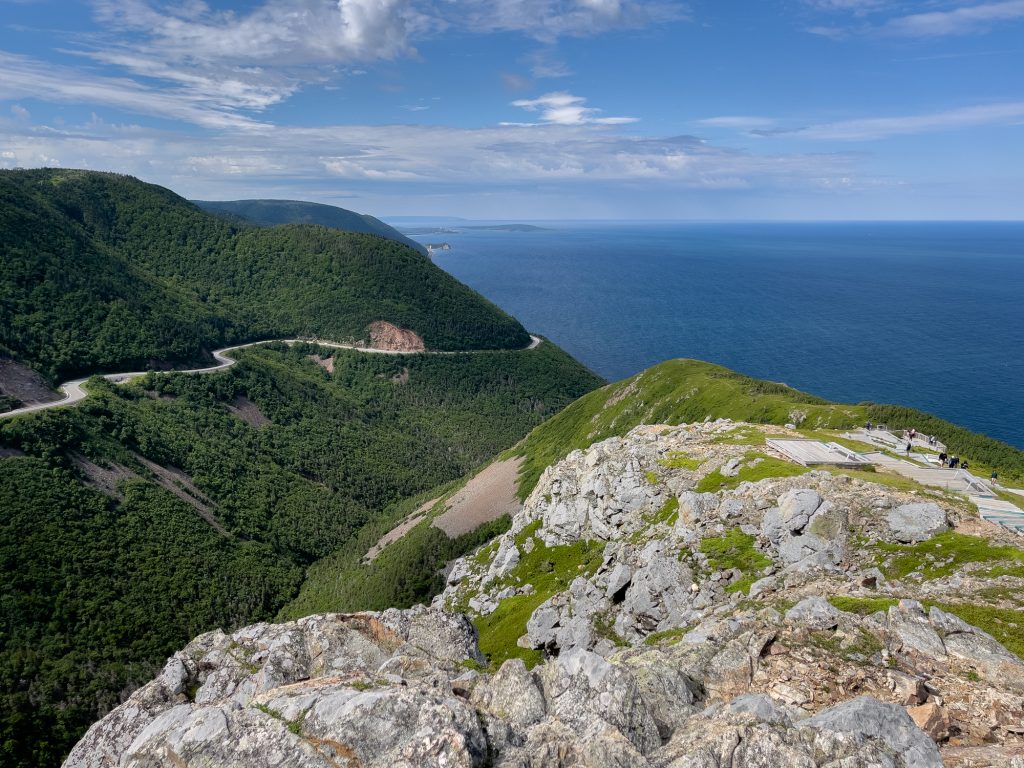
<point>158,510</point>
<point>270,213</point>
<point>102,272</point>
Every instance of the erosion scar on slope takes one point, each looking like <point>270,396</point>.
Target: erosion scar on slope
<point>488,496</point>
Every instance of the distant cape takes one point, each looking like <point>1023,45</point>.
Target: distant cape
<point>271,212</point>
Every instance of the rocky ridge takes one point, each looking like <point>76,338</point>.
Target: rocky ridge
<point>656,603</point>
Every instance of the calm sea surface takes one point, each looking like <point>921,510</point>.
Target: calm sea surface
<point>926,315</point>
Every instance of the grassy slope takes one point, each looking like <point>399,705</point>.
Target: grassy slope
<point>100,271</point>
<point>680,391</point>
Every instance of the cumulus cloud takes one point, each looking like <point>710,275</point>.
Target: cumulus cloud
<point>561,108</point>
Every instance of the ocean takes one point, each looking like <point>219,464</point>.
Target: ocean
<point>928,315</point>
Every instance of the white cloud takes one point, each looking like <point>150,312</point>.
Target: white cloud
<point>867,129</point>
<point>740,122</point>
<point>290,162</point>
<point>20,112</point>
<point>23,77</point>
<point>561,108</point>
<point>549,20</point>
<point>959,21</point>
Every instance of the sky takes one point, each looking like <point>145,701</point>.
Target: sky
<point>533,109</point>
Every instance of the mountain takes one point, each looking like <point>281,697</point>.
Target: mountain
<point>178,503</point>
<point>102,272</point>
<point>269,213</point>
<point>677,597</point>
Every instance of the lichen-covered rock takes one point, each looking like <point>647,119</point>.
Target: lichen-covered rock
<point>887,723</point>
<point>917,522</point>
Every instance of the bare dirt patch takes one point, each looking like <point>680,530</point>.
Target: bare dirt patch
<point>401,378</point>
<point>327,363</point>
<point>24,384</point>
<point>398,531</point>
<point>486,497</point>
<point>385,335</point>
<point>104,479</point>
<point>249,412</point>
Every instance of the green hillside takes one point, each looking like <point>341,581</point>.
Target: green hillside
<point>682,391</point>
<point>103,272</point>
<point>269,213</point>
<point>178,504</point>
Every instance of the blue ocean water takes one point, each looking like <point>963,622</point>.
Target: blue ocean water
<point>923,314</point>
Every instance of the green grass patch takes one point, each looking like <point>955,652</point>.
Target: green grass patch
<point>858,648</point>
<point>679,460</point>
<point>742,436</point>
<point>767,467</point>
<point>651,477</point>
<point>550,570</point>
<point>946,554</point>
<point>735,550</point>
<point>667,636</point>
<point>669,512</point>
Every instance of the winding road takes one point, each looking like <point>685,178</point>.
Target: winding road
<point>74,391</point>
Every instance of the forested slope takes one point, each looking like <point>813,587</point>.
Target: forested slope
<point>103,272</point>
<point>157,510</point>
<point>273,212</point>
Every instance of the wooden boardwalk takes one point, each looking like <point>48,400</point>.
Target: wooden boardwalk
<point>990,508</point>
<point>812,453</point>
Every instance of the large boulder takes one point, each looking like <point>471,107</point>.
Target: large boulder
<point>887,723</point>
<point>911,523</point>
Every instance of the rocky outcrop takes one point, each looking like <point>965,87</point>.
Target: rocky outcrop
<point>391,690</point>
<point>385,335</point>
<point>747,626</point>
<point>733,588</point>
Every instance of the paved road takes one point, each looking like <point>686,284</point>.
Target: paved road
<point>74,391</point>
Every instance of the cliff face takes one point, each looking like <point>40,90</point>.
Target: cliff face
<point>683,598</point>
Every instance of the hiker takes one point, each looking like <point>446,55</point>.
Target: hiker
<point>953,462</point>
<point>909,446</point>
<point>963,466</point>
<point>913,433</point>
<point>994,478</point>
<point>867,427</point>
<point>942,458</point>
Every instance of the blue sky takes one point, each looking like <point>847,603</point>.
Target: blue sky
<point>765,109</point>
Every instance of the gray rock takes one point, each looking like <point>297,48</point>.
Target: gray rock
<point>761,706</point>
<point>796,508</point>
<point>888,723</point>
<point>506,558</point>
<point>814,613</point>
<point>618,580</point>
<point>917,522</point>
<point>913,632</point>
<point>590,695</point>
<point>512,695</point>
